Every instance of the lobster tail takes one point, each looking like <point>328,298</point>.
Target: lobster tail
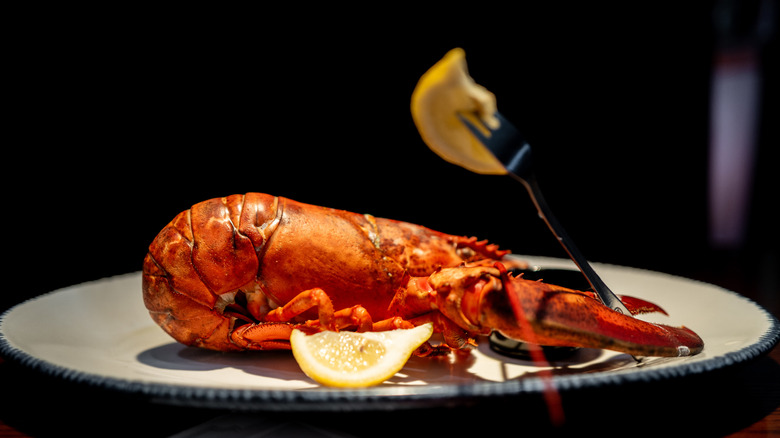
<point>227,262</point>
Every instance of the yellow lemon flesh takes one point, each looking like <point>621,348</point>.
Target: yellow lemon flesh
<point>441,93</point>
<point>352,360</point>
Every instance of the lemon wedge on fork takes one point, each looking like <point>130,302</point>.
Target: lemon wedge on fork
<point>442,93</point>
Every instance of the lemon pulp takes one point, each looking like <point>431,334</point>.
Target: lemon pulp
<point>443,92</point>
<point>349,359</point>
<point>347,352</point>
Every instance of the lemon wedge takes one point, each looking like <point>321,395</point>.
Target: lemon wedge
<point>441,93</point>
<point>352,360</point>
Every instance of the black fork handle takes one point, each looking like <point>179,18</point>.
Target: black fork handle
<point>607,296</point>
<point>514,153</point>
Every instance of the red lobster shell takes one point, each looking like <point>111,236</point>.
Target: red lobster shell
<point>240,272</point>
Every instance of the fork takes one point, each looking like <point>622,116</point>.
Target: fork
<point>510,148</point>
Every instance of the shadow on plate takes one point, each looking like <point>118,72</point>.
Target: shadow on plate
<point>175,356</point>
<point>447,370</point>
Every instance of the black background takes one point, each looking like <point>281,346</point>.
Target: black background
<point>123,119</point>
<point>118,119</point>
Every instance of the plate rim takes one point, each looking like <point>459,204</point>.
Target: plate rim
<point>382,397</point>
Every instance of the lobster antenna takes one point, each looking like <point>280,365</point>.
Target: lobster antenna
<point>551,396</point>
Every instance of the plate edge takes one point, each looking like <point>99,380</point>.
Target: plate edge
<point>362,399</point>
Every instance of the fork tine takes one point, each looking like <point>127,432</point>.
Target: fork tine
<point>474,128</point>
<point>506,143</point>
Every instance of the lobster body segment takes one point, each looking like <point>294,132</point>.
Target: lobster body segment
<point>240,272</point>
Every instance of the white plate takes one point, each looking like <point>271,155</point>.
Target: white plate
<point>100,333</point>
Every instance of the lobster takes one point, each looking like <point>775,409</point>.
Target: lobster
<point>241,272</point>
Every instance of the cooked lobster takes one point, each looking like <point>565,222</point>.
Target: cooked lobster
<point>241,272</point>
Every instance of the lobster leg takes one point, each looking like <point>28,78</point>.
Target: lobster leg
<point>393,323</point>
<point>454,336</point>
<point>274,332</point>
<point>355,316</point>
<point>263,336</point>
<point>302,302</point>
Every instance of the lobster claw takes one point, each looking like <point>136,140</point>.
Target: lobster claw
<point>482,299</point>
